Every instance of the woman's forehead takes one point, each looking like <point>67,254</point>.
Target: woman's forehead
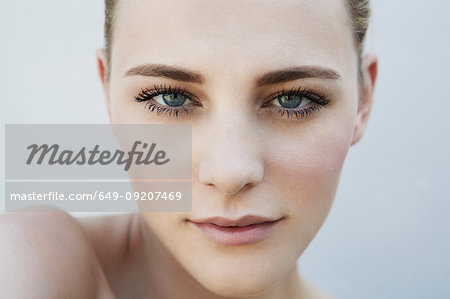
<point>246,33</point>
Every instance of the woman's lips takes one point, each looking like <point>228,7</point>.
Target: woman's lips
<point>246,230</point>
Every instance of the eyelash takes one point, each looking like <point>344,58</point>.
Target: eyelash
<point>317,101</point>
<point>146,95</point>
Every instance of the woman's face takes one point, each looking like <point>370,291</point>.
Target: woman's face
<point>271,92</point>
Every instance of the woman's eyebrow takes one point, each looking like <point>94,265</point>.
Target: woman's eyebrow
<point>268,78</point>
<point>295,73</point>
<point>166,71</point>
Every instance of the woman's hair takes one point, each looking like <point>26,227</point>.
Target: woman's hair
<point>359,14</point>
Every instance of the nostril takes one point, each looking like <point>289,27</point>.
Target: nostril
<point>231,174</point>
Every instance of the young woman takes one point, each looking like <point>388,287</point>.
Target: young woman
<point>276,93</point>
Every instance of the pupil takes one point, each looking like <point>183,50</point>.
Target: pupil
<point>174,100</point>
<point>290,101</point>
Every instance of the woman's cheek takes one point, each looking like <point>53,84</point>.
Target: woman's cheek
<point>306,167</point>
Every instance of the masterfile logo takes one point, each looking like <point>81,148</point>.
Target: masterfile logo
<point>99,168</point>
<point>53,155</point>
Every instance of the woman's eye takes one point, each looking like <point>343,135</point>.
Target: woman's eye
<point>291,101</point>
<point>171,99</point>
<point>298,103</point>
<point>167,100</point>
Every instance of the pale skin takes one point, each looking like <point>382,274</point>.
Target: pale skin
<point>247,157</point>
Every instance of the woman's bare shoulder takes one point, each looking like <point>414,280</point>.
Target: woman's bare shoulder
<point>113,237</point>
<point>48,254</point>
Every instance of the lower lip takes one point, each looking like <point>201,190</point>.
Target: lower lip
<point>237,235</point>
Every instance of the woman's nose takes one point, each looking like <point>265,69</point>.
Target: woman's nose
<point>231,158</point>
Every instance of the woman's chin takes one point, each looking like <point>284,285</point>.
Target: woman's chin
<point>239,285</point>
<point>236,278</point>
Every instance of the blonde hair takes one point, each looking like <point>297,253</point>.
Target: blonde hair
<point>358,12</point>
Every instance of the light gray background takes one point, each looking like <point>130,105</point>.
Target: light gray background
<point>388,233</point>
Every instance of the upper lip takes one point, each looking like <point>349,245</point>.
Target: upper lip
<point>242,221</point>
